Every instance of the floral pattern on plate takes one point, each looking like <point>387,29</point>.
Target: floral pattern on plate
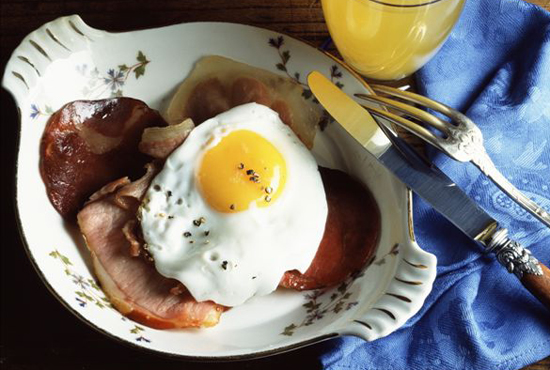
<point>284,55</point>
<point>116,66</point>
<point>98,86</point>
<point>88,292</point>
<point>318,305</point>
<point>114,79</point>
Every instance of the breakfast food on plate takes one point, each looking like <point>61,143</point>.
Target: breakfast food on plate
<point>159,142</point>
<point>110,225</point>
<point>351,232</point>
<point>216,84</point>
<point>131,282</point>
<point>226,211</point>
<point>89,143</point>
<point>240,202</point>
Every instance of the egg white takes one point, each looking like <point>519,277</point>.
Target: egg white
<point>232,257</point>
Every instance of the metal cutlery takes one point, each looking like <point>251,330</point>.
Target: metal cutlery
<point>434,187</point>
<point>459,137</point>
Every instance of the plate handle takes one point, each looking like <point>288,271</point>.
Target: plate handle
<point>405,293</point>
<point>53,40</point>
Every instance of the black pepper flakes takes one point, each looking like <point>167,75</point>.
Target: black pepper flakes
<point>241,166</point>
<point>232,207</point>
<point>170,217</point>
<point>169,193</point>
<point>207,232</point>
<point>156,187</point>
<point>179,202</point>
<point>250,172</point>
<point>191,241</point>
<point>199,221</point>
<point>187,234</point>
<point>253,277</point>
<point>224,265</point>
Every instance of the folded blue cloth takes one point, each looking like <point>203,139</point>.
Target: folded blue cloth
<point>495,67</point>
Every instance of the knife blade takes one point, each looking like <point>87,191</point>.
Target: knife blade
<point>434,187</point>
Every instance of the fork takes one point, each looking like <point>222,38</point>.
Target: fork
<point>459,138</point>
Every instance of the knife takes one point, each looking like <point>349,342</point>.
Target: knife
<point>434,187</point>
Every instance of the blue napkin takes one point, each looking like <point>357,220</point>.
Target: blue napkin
<point>495,67</point>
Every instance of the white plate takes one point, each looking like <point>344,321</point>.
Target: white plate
<point>65,60</point>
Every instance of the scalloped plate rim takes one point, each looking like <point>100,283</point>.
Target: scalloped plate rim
<point>50,287</point>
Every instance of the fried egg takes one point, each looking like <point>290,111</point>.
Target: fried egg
<point>240,202</point>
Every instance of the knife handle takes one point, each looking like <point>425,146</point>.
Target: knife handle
<point>518,260</point>
<point>539,285</point>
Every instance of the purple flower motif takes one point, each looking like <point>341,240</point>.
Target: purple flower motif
<point>35,111</point>
<point>314,316</point>
<point>142,339</point>
<point>82,69</point>
<point>80,281</point>
<point>81,302</point>
<point>114,79</point>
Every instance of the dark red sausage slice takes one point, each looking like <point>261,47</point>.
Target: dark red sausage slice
<point>351,234</point>
<point>87,144</point>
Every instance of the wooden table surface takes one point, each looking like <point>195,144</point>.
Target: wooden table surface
<point>36,331</point>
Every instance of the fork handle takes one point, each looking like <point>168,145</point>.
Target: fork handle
<point>486,165</point>
<point>518,260</point>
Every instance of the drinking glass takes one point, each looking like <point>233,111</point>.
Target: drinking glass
<point>390,39</point>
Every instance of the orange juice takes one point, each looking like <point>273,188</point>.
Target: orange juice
<point>389,39</point>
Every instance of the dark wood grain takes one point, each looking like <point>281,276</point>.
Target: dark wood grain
<point>539,285</point>
<point>36,331</point>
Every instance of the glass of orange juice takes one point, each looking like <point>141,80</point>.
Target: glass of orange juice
<point>390,39</point>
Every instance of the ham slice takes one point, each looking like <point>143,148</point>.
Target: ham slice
<point>351,234</point>
<point>132,284</point>
<point>87,144</point>
<point>217,83</point>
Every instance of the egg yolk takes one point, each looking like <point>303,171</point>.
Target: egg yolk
<point>241,169</point>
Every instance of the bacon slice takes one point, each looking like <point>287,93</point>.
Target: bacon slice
<point>132,284</point>
<point>351,234</point>
<point>160,142</point>
<point>87,144</point>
